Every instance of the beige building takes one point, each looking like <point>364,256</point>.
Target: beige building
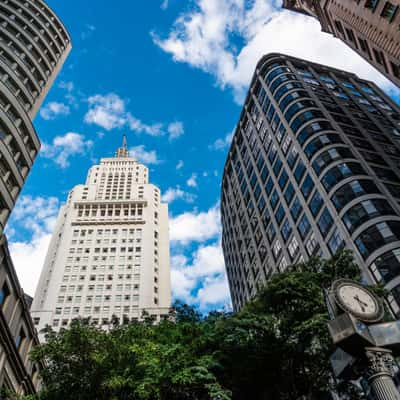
<point>370,27</point>
<point>109,254</point>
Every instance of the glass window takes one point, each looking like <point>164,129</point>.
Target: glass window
<point>279,215</point>
<point>271,232</point>
<point>312,129</point>
<point>335,242</point>
<point>312,245</point>
<point>340,172</point>
<point>304,117</point>
<point>289,193</point>
<point>274,199</point>
<point>377,236</point>
<point>316,204</point>
<point>277,166</point>
<point>307,186</point>
<point>352,190</point>
<point>269,186</point>
<point>364,211</point>
<point>296,209</point>
<point>4,293</point>
<point>320,142</point>
<point>329,156</point>
<point>387,266</point>
<point>325,222</point>
<point>292,156</point>
<point>304,226</point>
<point>286,230</point>
<point>293,247</point>
<point>283,179</point>
<point>299,171</point>
<point>277,249</point>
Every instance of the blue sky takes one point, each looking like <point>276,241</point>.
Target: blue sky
<point>172,75</point>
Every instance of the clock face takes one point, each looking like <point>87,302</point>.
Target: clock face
<point>358,301</point>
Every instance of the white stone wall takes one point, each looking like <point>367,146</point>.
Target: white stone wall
<point>109,254</point>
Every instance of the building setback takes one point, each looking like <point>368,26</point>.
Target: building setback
<point>314,167</point>
<point>33,47</point>
<point>370,27</point>
<point>109,253</point>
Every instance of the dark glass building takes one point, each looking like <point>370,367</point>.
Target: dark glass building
<point>314,167</point>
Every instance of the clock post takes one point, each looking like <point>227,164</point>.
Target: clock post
<point>365,346</point>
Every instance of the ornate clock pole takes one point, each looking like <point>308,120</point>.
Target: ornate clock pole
<point>364,345</point>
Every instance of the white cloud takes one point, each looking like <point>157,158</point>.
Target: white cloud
<point>195,226</point>
<point>164,4</point>
<point>192,181</point>
<point>202,36</point>
<point>109,112</point>
<point>64,147</point>
<point>53,109</point>
<point>144,156</point>
<point>175,129</point>
<point>35,216</point>
<point>173,194</point>
<point>222,144</point>
<point>179,165</point>
<point>203,280</point>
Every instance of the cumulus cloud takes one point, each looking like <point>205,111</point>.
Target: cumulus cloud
<point>35,216</point>
<point>64,147</point>
<point>177,193</point>
<point>222,143</point>
<point>143,155</point>
<point>192,181</point>
<point>54,109</point>
<point>201,37</point>
<point>175,129</point>
<point>179,165</point>
<point>195,226</point>
<point>201,281</point>
<point>109,112</point>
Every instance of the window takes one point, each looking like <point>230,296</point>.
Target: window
<point>377,236</point>
<point>299,171</point>
<point>4,293</point>
<point>329,156</point>
<point>389,11</point>
<point>340,172</point>
<point>316,204</point>
<point>335,242</point>
<point>286,230</point>
<point>387,266</point>
<point>325,222</point>
<point>293,247</point>
<point>279,215</point>
<point>277,248</point>
<point>20,338</point>
<point>304,226</point>
<point>352,190</point>
<point>296,209</point>
<point>307,186</point>
<point>371,4</point>
<point>364,211</point>
<point>312,245</point>
<point>289,193</point>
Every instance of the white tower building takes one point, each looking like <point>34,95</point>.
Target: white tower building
<point>109,253</point>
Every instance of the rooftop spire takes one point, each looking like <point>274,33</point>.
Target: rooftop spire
<point>123,150</point>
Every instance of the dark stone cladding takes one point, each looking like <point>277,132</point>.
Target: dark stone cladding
<point>17,372</point>
<point>33,46</point>
<point>314,167</point>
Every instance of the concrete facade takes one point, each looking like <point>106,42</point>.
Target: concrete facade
<point>109,254</point>
<point>314,167</point>
<point>370,27</point>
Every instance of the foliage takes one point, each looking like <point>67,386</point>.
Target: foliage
<point>277,348</point>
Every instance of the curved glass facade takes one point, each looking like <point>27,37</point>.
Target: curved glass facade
<point>312,169</point>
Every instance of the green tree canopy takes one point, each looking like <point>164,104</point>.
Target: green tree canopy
<point>277,348</point>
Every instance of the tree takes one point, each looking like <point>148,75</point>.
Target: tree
<point>277,347</point>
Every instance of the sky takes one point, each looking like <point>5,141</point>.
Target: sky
<point>172,75</point>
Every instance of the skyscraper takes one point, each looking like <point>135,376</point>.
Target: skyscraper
<point>33,47</point>
<point>370,27</point>
<point>314,167</point>
<point>109,253</point>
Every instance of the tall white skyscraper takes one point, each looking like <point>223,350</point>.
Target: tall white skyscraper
<point>109,253</point>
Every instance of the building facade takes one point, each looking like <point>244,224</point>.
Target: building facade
<point>18,374</point>
<point>109,254</point>
<point>370,27</point>
<point>314,167</point>
<point>33,47</point>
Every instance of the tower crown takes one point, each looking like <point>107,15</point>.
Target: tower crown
<point>123,150</point>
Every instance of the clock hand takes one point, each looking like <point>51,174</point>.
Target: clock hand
<point>361,303</point>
